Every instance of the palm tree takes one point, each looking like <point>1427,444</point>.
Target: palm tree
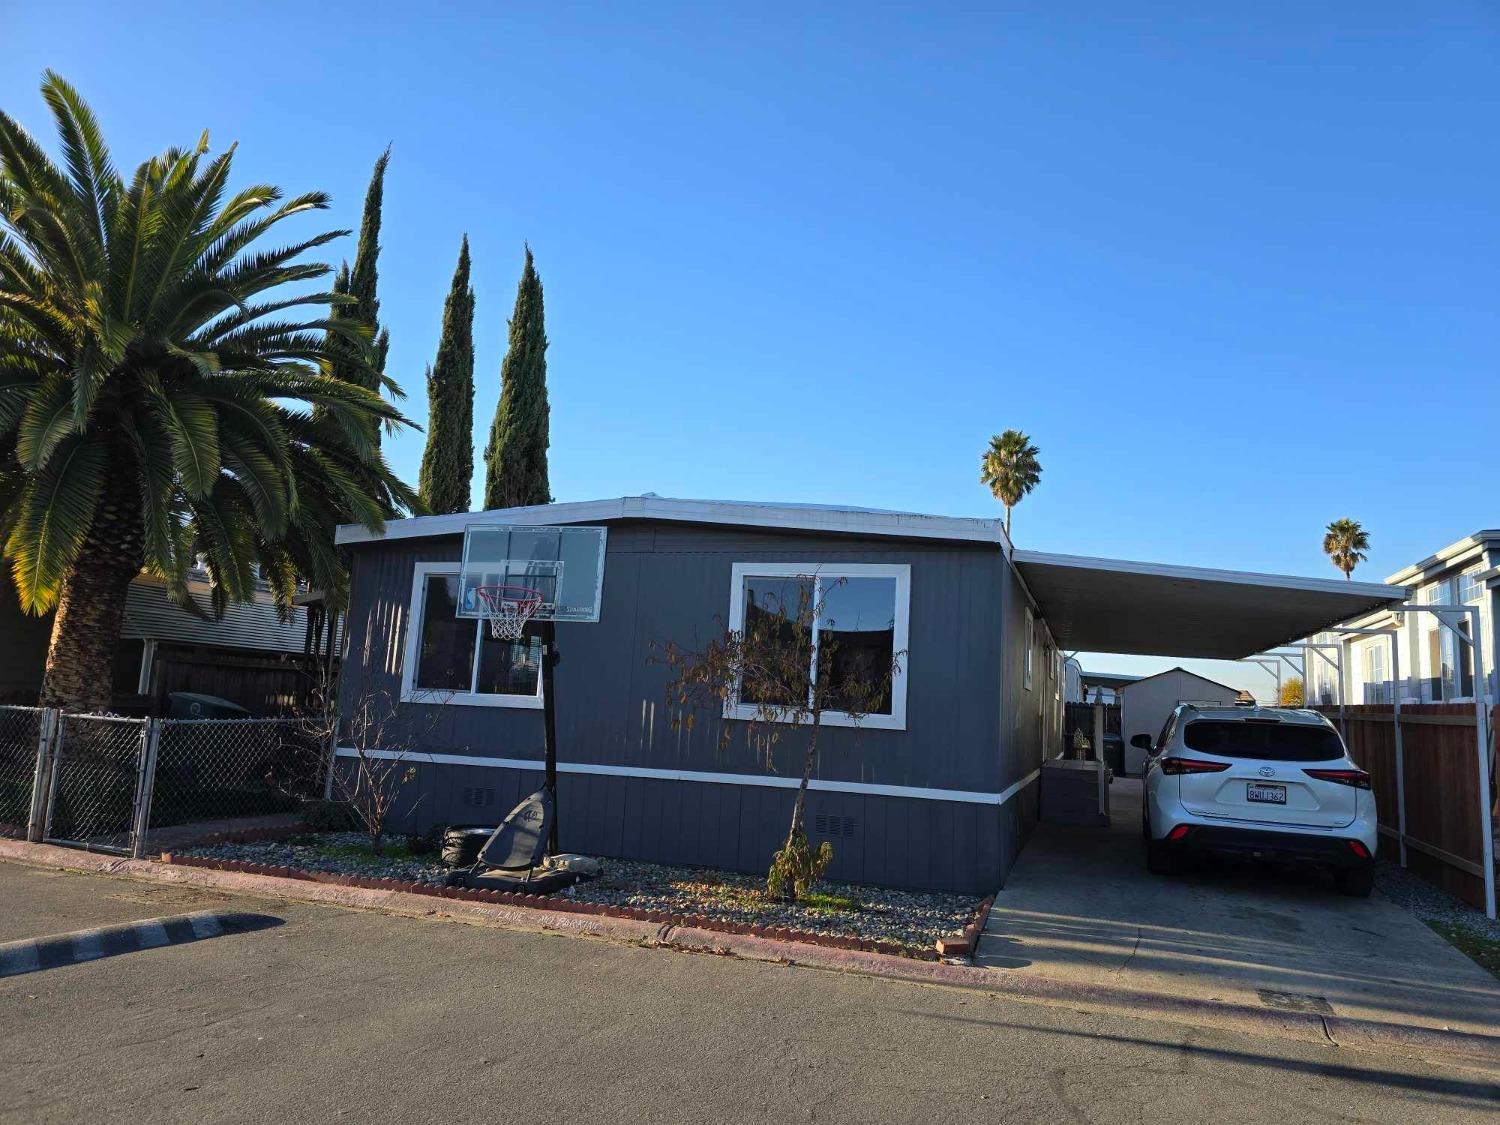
<point>1010,469</point>
<point>155,410</point>
<point>1346,543</point>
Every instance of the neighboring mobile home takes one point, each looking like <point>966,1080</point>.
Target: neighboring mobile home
<point>937,792</point>
<point>1435,666</point>
<point>252,656</point>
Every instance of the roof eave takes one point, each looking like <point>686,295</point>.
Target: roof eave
<point>847,521</point>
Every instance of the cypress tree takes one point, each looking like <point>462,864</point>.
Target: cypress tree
<point>516,457</point>
<point>448,460</point>
<point>361,283</point>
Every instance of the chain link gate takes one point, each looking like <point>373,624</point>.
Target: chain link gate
<point>98,768</point>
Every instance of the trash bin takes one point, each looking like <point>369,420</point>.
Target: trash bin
<point>195,705</point>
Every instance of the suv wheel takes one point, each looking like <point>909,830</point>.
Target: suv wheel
<point>1356,882</point>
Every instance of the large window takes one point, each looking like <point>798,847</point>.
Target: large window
<point>860,625</point>
<point>455,660</point>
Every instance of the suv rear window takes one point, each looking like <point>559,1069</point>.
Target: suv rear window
<point>1271,742</point>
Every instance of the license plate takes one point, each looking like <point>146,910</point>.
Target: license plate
<point>1266,794</point>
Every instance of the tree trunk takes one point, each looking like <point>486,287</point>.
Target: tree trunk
<point>86,630</point>
<point>807,768</point>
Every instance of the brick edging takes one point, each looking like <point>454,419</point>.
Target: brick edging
<point>569,906</point>
<point>967,943</point>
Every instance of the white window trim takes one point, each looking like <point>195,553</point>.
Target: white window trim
<point>410,693</point>
<point>901,572</point>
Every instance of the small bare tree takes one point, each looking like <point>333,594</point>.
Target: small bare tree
<point>790,666</point>
<point>382,735</point>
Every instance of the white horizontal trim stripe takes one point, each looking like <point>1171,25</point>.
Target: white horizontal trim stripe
<point>866,788</point>
<point>1015,787</point>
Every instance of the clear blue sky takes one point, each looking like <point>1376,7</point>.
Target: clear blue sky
<point>1234,272</point>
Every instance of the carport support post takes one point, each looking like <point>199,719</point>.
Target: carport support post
<point>1099,754</point>
<point>548,630</point>
<point>1481,732</point>
<point>1392,636</point>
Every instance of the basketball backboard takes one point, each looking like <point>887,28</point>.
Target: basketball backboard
<point>565,565</point>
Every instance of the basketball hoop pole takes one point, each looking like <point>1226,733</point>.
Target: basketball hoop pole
<point>547,629</point>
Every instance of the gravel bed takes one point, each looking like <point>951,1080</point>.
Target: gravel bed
<point>907,918</point>
<point>1431,903</point>
<point>343,853</point>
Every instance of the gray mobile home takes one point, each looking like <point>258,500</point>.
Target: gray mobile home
<point>939,791</point>
<point>936,792</point>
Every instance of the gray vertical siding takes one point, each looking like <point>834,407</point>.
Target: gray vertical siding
<point>672,582</point>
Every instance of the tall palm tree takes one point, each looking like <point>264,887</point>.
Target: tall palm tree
<point>155,410</point>
<point>1010,468</point>
<point>1346,543</point>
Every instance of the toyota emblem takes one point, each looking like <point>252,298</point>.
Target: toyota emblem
<point>1267,771</point>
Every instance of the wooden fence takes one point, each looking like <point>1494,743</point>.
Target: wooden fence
<point>1444,826</point>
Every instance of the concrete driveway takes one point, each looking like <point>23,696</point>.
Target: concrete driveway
<point>1081,906</point>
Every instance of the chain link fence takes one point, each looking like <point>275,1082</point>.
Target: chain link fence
<point>20,753</point>
<point>226,774</point>
<point>136,785</point>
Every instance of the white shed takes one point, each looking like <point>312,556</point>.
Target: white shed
<point>1146,704</point>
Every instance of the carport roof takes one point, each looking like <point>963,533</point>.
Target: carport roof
<point>1110,605</point>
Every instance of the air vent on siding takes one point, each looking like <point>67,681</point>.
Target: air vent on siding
<point>824,825</point>
<point>478,797</point>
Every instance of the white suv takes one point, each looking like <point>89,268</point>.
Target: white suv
<point>1258,781</point>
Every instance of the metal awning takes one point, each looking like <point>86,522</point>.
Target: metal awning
<point>1150,609</point>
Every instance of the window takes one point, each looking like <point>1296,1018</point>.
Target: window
<point>862,619</point>
<point>455,660</point>
<point>1262,741</point>
<point>1376,688</point>
<point>1470,588</point>
<point>1030,648</point>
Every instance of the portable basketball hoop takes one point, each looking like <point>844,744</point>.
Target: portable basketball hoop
<point>508,609</point>
<point>512,575</point>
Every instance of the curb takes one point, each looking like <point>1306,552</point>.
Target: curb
<point>32,955</point>
<point>1356,1034</point>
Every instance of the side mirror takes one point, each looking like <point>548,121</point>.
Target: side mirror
<point>1141,741</point>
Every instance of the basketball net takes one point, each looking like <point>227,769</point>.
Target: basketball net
<point>508,609</point>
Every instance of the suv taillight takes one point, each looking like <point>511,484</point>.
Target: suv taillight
<point>1358,779</point>
<point>1171,766</point>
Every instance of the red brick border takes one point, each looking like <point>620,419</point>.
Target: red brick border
<point>571,906</point>
<point>967,943</point>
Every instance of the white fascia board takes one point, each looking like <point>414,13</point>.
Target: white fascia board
<point>1206,574</point>
<point>1451,555</point>
<point>784,517</point>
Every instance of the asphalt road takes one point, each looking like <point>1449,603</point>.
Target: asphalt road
<point>373,1018</point>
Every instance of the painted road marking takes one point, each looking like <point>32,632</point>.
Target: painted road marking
<point>88,945</point>
<point>19,957</point>
<point>32,955</point>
